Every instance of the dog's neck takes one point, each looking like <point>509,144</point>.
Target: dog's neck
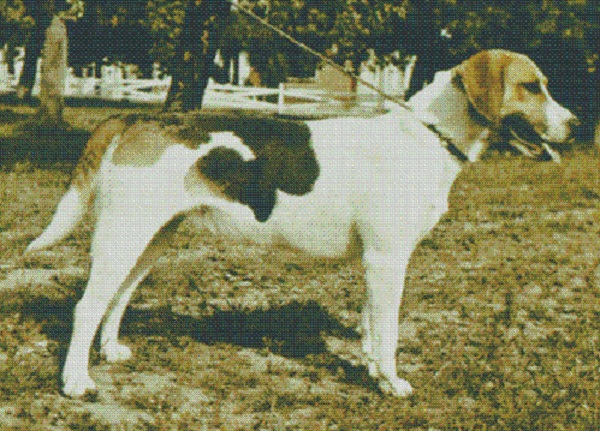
<point>444,105</point>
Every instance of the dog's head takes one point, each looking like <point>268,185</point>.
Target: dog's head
<point>511,93</point>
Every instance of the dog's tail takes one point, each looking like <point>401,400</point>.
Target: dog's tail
<point>69,213</point>
<point>80,195</point>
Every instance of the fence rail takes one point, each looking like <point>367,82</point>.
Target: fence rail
<point>282,100</point>
<point>119,84</point>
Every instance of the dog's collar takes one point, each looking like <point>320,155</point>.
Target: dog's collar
<point>449,145</point>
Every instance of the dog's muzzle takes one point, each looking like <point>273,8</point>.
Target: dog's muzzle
<point>525,138</point>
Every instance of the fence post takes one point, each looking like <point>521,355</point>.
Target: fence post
<point>380,98</point>
<point>408,71</point>
<point>281,99</point>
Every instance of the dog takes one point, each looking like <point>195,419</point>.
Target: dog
<point>337,187</point>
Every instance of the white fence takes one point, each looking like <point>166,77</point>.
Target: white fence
<point>293,101</point>
<point>114,86</point>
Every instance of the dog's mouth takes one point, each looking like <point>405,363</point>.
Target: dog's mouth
<point>524,137</point>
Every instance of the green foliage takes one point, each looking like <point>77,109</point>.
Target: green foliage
<point>354,25</point>
<point>561,35</point>
<point>517,24</point>
<point>16,21</point>
<point>13,21</point>
<point>164,20</point>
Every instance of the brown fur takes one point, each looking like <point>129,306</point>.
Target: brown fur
<point>482,77</point>
<point>144,141</point>
<point>285,159</point>
<point>142,144</point>
<point>493,81</point>
<point>90,161</point>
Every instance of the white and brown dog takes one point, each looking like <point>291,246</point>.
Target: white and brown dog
<point>331,188</point>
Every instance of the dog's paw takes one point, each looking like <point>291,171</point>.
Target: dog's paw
<point>395,386</point>
<point>79,387</point>
<point>115,352</point>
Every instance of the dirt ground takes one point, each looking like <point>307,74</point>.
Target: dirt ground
<point>500,326</point>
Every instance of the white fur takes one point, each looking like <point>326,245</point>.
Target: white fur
<point>386,179</point>
<point>558,119</point>
<point>69,213</point>
<point>390,191</point>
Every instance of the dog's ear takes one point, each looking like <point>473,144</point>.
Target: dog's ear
<point>482,77</point>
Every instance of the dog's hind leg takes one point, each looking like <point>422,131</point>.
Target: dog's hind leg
<point>111,348</point>
<point>119,242</point>
<point>109,335</point>
<point>385,280</point>
<point>106,276</point>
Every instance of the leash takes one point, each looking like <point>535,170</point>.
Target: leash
<point>320,56</point>
<point>446,143</point>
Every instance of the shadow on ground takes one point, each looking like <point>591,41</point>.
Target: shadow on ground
<point>294,330</point>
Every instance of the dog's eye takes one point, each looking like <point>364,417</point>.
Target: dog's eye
<point>532,87</point>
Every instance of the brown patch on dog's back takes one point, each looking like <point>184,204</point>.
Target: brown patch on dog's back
<point>284,157</point>
<point>142,144</point>
<point>146,139</point>
<point>90,161</point>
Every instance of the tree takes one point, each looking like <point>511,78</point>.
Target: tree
<point>14,24</point>
<point>53,75</point>
<point>199,40</point>
<point>42,12</point>
<point>423,39</point>
<point>27,22</point>
<point>119,34</point>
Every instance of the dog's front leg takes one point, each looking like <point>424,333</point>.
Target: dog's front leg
<point>385,280</point>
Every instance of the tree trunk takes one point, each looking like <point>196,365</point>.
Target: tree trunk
<point>200,38</point>
<point>42,12</point>
<point>53,74</point>
<point>427,44</point>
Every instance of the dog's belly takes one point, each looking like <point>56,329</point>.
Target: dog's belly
<point>299,222</point>
<point>306,224</point>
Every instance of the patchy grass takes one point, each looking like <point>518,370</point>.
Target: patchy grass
<point>500,325</point>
